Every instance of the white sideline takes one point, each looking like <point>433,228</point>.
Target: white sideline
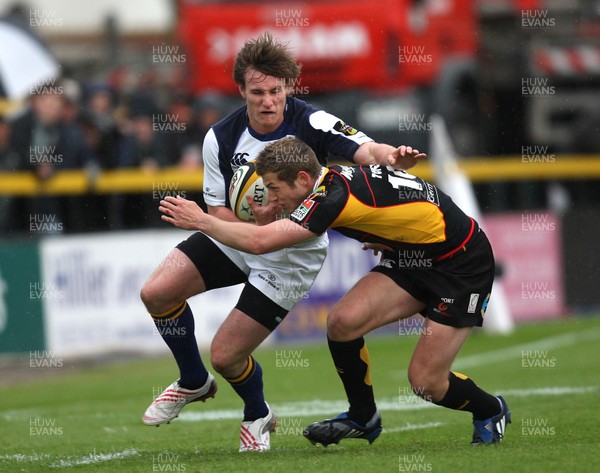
<point>73,461</point>
<point>516,351</point>
<point>322,407</point>
<point>315,407</point>
<point>94,458</point>
<point>20,457</point>
<point>407,427</point>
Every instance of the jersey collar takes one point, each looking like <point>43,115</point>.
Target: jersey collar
<point>319,181</point>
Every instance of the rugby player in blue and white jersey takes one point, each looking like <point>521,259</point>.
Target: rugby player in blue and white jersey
<point>265,72</point>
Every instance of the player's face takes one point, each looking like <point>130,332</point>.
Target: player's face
<point>287,196</point>
<point>265,98</point>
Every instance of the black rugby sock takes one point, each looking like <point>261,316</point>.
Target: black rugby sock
<point>351,360</point>
<point>176,327</point>
<point>249,386</point>
<point>464,395</point>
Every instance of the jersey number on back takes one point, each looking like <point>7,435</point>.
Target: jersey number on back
<point>399,179</point>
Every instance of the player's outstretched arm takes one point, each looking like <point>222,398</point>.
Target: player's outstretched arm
<point>255,239</point>
<point>402,157</point>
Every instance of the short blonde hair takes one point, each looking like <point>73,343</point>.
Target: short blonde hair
<point>285,158</point>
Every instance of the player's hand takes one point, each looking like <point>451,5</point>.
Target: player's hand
<point>376,247</point>
<point>404,157</point>
<point>181,212</point>
<point>264,214</point>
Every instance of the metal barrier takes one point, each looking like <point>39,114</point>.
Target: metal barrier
<point>479,170</point>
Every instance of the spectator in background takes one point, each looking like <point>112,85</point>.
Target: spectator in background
<point>9,161</point>
<point>103,137</point>
<point>71,92</point>
<point>209,110</point>
<point>99,125</point>
<point>182,137</point>
<point>45,144</point>
<point>141,147</point>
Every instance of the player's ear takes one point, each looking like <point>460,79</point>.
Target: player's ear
<point>303,178</point>
<point>242,89</point>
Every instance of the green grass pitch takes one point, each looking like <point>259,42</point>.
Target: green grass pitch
<point>89,419</point>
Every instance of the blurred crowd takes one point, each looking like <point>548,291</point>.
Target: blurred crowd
<point>99,126</point>
<point>136,120</point>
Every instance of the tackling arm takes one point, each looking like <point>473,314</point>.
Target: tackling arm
<point>222,212</point>
<point>254,239</point>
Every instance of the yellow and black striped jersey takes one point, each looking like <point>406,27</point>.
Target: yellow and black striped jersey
<point>379,204</point>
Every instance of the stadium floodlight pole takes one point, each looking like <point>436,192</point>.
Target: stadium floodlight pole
<point>450,179</point>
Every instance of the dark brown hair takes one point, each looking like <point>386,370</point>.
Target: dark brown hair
<point>285,158</point>
<point>267,56</point>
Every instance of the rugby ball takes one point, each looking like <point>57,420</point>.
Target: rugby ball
<point>245,182</point>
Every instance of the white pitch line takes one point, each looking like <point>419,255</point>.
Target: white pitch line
<point>407,427</point>
<point>72,461</point>
<point>516,351</point>
<point>322,407</point>
<point>304,409</point>
<point>549,391</point>
<point>301,409</point>
<point>94,458</point>
<point>20,457</point>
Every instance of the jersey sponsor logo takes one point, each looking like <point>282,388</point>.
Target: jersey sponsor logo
<point>347,172</point>
<point>236,177</point>
<point>442,307</point>
<point>269,279</point>
<point>376,171</point>
<point>345,129</point>
<point>209,192</point>
<point>321,191</point>
<point>303,209</point>
<point>431,193</point>
<point>238,159</point>
<point>321,120</point>
<point>473,299</point>
<point>387,263</point>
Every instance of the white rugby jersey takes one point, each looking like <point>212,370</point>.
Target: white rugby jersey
<point>231,143</point>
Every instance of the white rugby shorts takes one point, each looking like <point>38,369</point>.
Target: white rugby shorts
<point>284,276</point>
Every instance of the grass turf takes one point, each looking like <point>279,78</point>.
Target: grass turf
<point>90,420</point>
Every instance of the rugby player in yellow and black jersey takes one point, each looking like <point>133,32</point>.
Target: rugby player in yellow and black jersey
<point>378,204</point>
<point>436,261</point>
